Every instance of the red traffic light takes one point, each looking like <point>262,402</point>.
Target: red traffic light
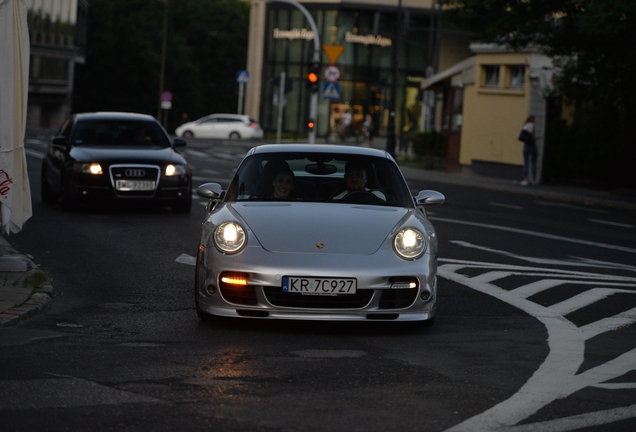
<point>311,124</point>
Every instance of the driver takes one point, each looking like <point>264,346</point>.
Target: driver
<point>355,181</point>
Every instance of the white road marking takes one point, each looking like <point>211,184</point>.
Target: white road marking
<point>186,259</point>
<point>604,222</point>
<point>538,234</point>
<point>558,204</point>
<point>34,153</point>
<point>580,421</point>
<point>558,377</point>
<point>196,153</point>
<point>510,206</point>
<point>579,262</point>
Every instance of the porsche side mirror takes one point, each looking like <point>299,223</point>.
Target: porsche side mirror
<point>429,197</point>
<point>210,190</point>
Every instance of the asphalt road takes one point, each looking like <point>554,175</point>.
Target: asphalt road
<point>535,328</point>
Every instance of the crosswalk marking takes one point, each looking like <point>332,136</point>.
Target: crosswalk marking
<point>559,376</point>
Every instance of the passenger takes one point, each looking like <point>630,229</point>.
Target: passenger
<point>283,184</point>
<point>355,181</point>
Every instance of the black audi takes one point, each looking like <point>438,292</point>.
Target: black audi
<point>115,156</point>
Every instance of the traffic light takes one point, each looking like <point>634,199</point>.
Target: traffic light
<point>311,124</point>
<point>312,77</point>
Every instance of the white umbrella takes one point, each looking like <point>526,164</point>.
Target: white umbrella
<point>15,193</point>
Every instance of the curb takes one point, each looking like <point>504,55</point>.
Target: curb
<point>15,270</point>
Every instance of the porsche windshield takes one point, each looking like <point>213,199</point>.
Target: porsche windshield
<point>320,177</point>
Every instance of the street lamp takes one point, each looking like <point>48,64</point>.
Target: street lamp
<point>391,135</point>
<point>164,44</point>
<point>313,96</point>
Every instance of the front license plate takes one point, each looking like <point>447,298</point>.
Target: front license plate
<point>135,185</point>
<point>319,286</point>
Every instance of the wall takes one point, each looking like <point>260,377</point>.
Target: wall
<point>493,117</point>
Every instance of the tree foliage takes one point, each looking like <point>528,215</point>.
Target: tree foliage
<point>206,46</point>
<point>593,42</point>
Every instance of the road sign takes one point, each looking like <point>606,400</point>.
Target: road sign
<point>333,52</point>
<point>166,96</point>
<point>332,73</point>
<point>331,90</point>
<point>242,77</point>
<point>166,104</point>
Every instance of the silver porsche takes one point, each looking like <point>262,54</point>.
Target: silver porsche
<point>317,232</point>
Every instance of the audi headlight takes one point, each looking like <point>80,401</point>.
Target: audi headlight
<point>173,170</point>
<point>230,237</point>
<point>88,168</point>
<point>410,243</point>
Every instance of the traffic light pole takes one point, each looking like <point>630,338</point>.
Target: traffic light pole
<point>313,98</point>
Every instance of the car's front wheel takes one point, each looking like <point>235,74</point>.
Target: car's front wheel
<point>68,201</point>
<point>183,206</point>
<point>203,316</point>
<point>47,194</point>
<point>235,135</point>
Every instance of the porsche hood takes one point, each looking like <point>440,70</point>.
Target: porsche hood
<point>307,228</point>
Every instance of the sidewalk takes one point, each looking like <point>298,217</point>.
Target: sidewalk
<point>25,290</point>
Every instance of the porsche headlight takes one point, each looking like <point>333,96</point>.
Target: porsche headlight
<point>88,168</point>
<point>410,243</point>
<point>173,170</point>
<point>230,237</point>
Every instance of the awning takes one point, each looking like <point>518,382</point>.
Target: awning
<point>15,192</point>
<point>456,69</point>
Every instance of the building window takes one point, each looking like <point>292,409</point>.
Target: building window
<point>491,76</point>
<point>53,69</point>
<point>517,75</point>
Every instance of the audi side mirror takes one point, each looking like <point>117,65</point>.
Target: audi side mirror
<point>60,140</point>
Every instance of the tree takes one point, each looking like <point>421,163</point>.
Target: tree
<point>594,44</point>
<point>206,46</point>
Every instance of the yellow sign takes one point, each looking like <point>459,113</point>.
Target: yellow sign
<point>333,52</point>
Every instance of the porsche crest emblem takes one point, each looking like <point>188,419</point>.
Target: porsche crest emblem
<point>320,245</point>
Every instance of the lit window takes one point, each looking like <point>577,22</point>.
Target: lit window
<point>491,76</point>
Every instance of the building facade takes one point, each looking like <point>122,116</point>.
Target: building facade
<point>484,100</point>
<point>281,40</point>
<point>57,32</point>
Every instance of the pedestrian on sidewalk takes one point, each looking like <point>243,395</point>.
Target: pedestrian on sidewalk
<point>529,152</point>
<point>367,130</point>
<point>345,122</point>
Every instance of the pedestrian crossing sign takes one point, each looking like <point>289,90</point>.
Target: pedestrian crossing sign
<point>242,77</point>
<point>331,90</point>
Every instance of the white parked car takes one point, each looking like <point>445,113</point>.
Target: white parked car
<point>233,126</point>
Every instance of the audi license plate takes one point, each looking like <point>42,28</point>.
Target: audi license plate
<point>135,185</point>
<point>319,286</point>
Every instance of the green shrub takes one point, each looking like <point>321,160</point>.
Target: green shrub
<point>430,143</point>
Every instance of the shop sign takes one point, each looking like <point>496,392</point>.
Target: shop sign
<point>369,39</point>
<point>293,34</point>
